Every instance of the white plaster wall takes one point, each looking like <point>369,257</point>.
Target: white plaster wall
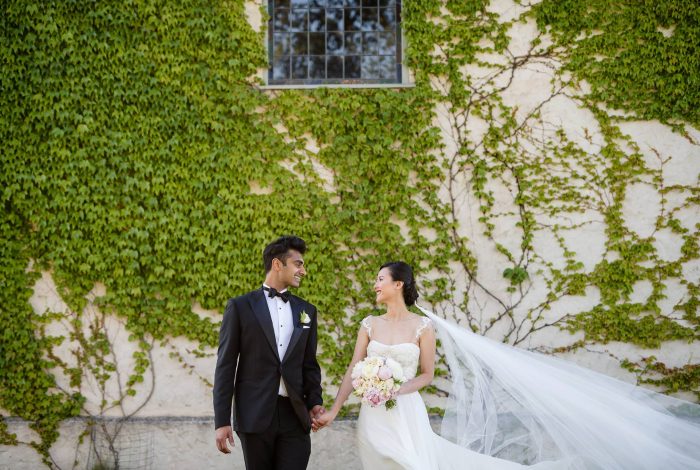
<point>532,86</point>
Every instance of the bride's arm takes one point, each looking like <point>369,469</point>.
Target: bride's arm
<point>346,385</point>
<point>427,363</point>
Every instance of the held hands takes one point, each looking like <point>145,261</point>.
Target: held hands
<point>323,420</point>
<point>316,413</point>
<point>223,434</point>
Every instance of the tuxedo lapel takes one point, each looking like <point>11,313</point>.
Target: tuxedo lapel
<point>262,314</point>
<point>298,328</point>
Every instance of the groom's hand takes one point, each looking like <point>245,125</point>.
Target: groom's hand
<point>314,414</point>
<point>223,434</point>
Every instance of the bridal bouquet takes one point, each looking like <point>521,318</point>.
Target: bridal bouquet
<point>377,380</point>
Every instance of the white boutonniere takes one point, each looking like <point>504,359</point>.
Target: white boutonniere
<point>304,318</point>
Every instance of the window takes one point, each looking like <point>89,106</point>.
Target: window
<point>316,42</point>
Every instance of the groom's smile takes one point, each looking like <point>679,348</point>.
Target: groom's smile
<point>292,272</point>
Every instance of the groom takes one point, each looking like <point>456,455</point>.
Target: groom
<point>267,365</point>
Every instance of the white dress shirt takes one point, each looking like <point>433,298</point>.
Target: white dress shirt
<point>281,315</point>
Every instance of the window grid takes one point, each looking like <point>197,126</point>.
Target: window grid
<point>334,42</point>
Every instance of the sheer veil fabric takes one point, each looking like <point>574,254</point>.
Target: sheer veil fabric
<point>527,407</point>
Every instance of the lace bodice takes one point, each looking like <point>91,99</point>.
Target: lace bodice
<point>406,354</point>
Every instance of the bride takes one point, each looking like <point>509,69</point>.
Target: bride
<point>508,408</point>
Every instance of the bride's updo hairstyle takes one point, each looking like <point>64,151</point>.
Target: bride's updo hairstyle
<point>401,271</point>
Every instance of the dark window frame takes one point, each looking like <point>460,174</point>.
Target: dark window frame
<point>362,47</point>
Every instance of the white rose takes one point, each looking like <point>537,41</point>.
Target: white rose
<point>370,370</point>
<point>396,369</point>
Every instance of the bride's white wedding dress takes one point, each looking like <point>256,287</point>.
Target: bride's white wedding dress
<point>401,438</point>
<point>509,405</point>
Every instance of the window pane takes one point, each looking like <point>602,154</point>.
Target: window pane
<point>370,19</point>
<point>317,67</point>
<point>280,68</point>
<point>334,20</point>
<point>370,43</point>
<point>370,66</point>
<point>352,3</point>
<point>281,44</point>
<point>335,3</point>
<point>335,67</point>
<point>387,66</point>
<point>334,43</point>
<point>299,20</point>
<point>300,3</point>
<point>387,3</point>
<point>317,20</point>
<point>282,4</point>
<point>353,19</point>
<point>387,18</point>
<point>353,43</point>
<point>280,20</point>
<point>317,3</point>
<point>299,44</point>
<point>300,67</point>
<point>353,66</point>
<point>387,43</point>
<point>317,43</point>
<point>369,3</point>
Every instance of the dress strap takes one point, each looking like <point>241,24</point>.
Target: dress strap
<point>425,322</point>
<point>368,326</point>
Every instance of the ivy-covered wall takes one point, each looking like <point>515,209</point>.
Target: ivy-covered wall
<point>140,154</point>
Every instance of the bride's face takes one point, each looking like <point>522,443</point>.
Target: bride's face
<point>385,287</point>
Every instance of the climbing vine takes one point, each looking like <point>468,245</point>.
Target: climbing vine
<point>551,184</point>
<point>640,57</point>
<point>139,152</point>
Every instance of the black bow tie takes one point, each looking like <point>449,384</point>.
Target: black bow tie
<point>272,292</point>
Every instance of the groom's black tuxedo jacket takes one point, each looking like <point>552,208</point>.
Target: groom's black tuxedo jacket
<point>249,369</point>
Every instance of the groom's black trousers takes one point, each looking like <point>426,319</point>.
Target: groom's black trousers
<point>284,445</point>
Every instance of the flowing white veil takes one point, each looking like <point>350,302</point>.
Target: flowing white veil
<point>527,407</point>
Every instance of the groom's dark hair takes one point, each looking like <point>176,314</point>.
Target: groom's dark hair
<point>280,249</point>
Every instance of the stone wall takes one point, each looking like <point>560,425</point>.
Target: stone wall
<point>168,443</point>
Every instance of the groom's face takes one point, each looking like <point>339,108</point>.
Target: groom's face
<point>290,274</point>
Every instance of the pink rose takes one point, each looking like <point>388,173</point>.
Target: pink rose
<point>384,373</point>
